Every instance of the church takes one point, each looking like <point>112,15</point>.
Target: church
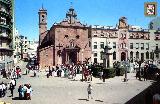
<point>67,42</point>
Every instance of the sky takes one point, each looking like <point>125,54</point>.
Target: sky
<point>92,12</point>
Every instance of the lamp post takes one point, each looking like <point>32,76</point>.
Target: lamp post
<point>126,64</point>
<point>82,56</point>
<point>82,65</point>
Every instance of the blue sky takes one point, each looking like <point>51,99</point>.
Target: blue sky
<point>92,12</point>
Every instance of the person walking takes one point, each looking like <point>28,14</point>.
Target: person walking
<point>11,89</point>
<point>89,90</point>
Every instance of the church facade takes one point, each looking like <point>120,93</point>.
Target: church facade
<point>66,42</point>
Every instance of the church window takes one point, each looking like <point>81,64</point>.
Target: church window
<point>66,36</point>
<point>89,44</point>
<point>77,36</point>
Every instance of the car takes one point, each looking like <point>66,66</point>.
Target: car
<point>153,69</point>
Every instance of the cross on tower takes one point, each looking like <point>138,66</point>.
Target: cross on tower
<point>59,46</point>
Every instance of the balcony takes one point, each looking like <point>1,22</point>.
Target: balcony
<point>5,14</point>
<point>8,2</point>
<point>6,37</point>
<point>9,27</point>
<point>5,49</point>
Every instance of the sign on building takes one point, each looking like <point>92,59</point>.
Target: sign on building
<point>150,9</point>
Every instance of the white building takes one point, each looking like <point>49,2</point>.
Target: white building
<point>16,46</point>
<point>32,49</point>
<point>127,42</point>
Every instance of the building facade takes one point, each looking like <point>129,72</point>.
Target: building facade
<point>66,42</point>
<point>16,46</point>
<point>6,34</point>
<point>24,44</point>
<point>32,49</point>
<point>127,43</point>
<point>72,42</point>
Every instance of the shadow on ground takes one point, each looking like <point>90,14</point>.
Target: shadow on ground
<point>146,96</point>
<point>17,98</point>
<point>83,99</point>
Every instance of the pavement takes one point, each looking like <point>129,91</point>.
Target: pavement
<point>55,90</point>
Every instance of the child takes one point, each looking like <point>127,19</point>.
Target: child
<point>89,89</point>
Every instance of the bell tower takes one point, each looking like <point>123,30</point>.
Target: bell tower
<point>42,24</point>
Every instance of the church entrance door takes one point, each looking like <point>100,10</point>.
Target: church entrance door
<point>72,57</point>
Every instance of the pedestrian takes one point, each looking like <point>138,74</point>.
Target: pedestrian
<point>29,92</point>
<point>89,90</point>
<point>145,72</point>
<point>11,89</point>
<point>1,90</point>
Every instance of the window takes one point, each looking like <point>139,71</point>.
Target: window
<point>147,55</point>
<point>147,46</point>
<point>102,45</point>
<point>114,44</point>
<point>137,36</point>
<point>157,55</point>
<point>131,36</point>
<point>142,46</point>
<point>102,35</point>
<point>101,55</point>
<point>89,44</point>
<point>152,55</point>
<point>95,60</point>
<point>142,56</point>
<point>131,45</point>
<point>114,55</point>
<point>137,45</point>
<point>66,36</point>
<point>77,36</point>
<point>142,36</point>
<point>95,45</point>
<point>137,55</point>
<point>131,56</point>
<point>95,54</point>
<point>156,46</point>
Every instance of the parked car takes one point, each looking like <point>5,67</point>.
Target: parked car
<point>152,70</point>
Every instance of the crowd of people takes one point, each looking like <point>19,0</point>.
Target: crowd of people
<point>11,73</point>
<point>70,71</point>
<point>7,86</point>
<point>147,71</point>
<point>25,92</point>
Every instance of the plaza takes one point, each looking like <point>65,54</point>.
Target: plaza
<point>56,90</point>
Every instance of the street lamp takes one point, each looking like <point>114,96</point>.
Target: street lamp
<point>126,64</point>
<point>82,56</point>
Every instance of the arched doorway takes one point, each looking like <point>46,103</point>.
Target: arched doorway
<point>72,57</point>
<point>123,56</point>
